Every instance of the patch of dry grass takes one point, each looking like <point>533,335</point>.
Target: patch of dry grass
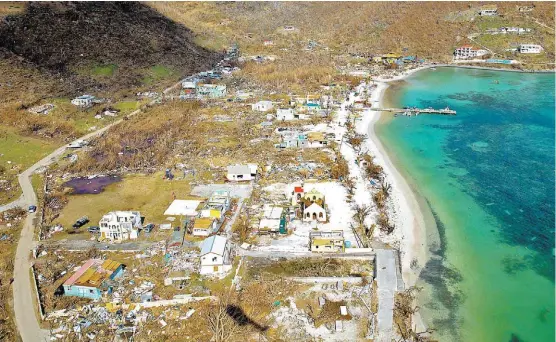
<point>148,194</point>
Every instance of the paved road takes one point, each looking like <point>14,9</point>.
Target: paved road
<point>23,289</point>
<point>386,281</point>
<point>14,204</point>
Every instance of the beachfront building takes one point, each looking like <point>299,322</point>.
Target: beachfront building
<point>388,58</point>
<point>215,255</point>
<point>327,242</point>
<point>120,225</point>
<point>530,48</point>
<point>469,51</point>
<point>90,280</point>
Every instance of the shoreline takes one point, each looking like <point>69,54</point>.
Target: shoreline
<point>408,215</point>
<point>410,72</point>
<point>413,219</point>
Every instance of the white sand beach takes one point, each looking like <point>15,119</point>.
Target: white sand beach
<point>410,233</point>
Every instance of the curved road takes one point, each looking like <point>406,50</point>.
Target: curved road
<point>23,290</point>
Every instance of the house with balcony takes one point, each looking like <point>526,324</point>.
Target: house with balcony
<point>469,51</point>
<point>529,48</point>
<point>120,225</point>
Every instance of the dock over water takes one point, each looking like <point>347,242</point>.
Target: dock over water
<point>417,111</point>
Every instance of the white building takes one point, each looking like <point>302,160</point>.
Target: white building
<point>83,100</point>
<point>189,84</point>
<point>270,222</point>
<point>488,11</point>
<point>468,51</point>
<point>314,212</point>
<point>215,255</point>
<point>242,172</point>
<point>530,48</point>
<point>285,114</point>
<point>262,106</point>
<point>120,225</point>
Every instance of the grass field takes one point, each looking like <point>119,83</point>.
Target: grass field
<point>157,73</point>
<point>17,153</point>
<point>21,151</point>
<point>104,70</point>
<point>127,106</point>
<point>11,7</point>
<point>150,195</point>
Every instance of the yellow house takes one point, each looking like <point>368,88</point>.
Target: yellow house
<point>390,57</point>
<point>212,213</point>
<point>204,226</point>
<point>327,242</point>
<point>313,196</point>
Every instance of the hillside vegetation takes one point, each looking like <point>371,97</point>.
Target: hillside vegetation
<point>427,29</point>
<point>73,41</point>
<point>342,32</point>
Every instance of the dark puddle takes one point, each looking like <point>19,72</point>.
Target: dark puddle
<point>95,185</point>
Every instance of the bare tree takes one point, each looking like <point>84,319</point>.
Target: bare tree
<point>384,223</point>
<point>220,323</point>
<point>350,186</point>
<point>361,213</point>
<point>370,230</point>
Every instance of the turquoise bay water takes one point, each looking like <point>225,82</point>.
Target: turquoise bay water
<point>487,174</point>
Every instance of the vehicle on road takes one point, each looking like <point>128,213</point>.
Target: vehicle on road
<point>32,208</point>
<point>148,228</point>
<point>93,229</point>
<point>78,143</point>
<point>81,222</point>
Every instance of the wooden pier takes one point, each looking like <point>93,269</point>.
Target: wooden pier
<point>417,111</point>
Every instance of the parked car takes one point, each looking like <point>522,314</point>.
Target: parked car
<point>32,208</point>
<point>94,229</point>
<point>81,222</point>
<point>148,228</point>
